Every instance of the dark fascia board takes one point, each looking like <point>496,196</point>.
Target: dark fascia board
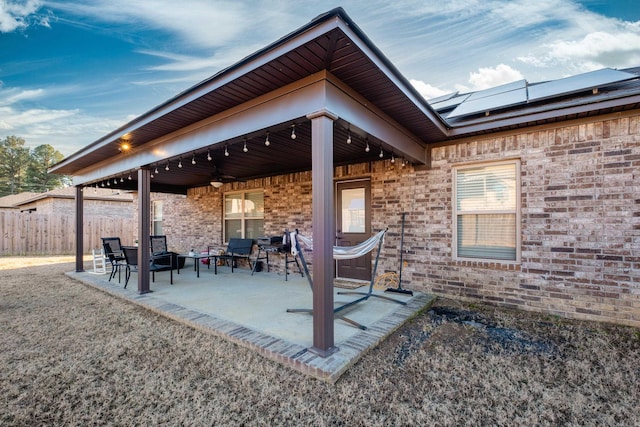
<point>338,12</point>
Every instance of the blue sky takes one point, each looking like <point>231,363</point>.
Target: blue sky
<point>72,71</point>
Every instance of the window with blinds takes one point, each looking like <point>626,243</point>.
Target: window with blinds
<point>487,220</point>
<point>244,215</point>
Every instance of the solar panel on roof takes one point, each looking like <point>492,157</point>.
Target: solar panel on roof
<point>581,82</point>
<point>519,84</point>
<point>452,102</point>
<point>492,102</point>
<point>442,98</point>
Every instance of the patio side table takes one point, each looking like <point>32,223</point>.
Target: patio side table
<point>196,261</point>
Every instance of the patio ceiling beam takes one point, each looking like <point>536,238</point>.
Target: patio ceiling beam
<point>357,111</point>
<point>280,106</point>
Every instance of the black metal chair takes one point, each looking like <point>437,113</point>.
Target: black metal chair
<point>158,245</point>
<point>236,249</point>
<point>131,259</point>
<point>113,252</point>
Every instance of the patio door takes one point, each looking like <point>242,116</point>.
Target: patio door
<point>353,226</point>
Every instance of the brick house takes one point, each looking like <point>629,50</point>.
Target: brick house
<point>42,223</point>
<point>525,195</point>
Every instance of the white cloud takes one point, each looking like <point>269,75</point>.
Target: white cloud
<point>426,90</point>
<point>15,14</point>
<point>601,48</point>
<point>490,77</point>
<point>17,96</point>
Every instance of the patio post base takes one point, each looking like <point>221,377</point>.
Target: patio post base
<point>323,353</point>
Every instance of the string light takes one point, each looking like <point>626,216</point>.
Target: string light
<point>245,149</point>
<point>367,149</point>
<point>209,155</point>
<point>293,132</point>
<point>393,159</point>
<point>129,178</point>
<point>266,141</point>
<point>121,179</point>
<point>193,159</point>
<point>167,167</point>
<point>226,152</point>
<point>102,184</point>
<point>180,163</point>
<point>152,175</point>
<point>381,155</point>
<point>156,171</point>
<point>108,183</point>
<point>349,138</point>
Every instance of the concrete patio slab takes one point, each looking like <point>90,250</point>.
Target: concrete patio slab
<point>252,311</point>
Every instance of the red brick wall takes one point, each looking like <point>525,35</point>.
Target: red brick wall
<point>580,207</point>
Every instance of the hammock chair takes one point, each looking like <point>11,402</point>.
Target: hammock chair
<point>343,252</point>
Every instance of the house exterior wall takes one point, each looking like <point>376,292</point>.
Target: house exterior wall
<point>66,206</point>
<point>580,218</point>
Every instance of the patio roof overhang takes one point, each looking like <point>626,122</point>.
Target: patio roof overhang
<point>329,64</point>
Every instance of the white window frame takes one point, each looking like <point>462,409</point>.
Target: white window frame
<point>243,218</point>
<point>516,211</point>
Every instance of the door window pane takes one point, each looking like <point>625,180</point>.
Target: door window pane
<point>353,210</point>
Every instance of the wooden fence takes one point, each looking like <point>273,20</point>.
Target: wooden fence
<point>24,233</point>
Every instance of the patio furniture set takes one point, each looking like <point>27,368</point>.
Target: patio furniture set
<point>125,258</point>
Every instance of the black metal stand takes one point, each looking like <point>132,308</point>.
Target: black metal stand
<point>399,289</point>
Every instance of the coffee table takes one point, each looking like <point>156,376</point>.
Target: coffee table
<point>196,261</point>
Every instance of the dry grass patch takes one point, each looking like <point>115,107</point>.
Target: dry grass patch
<point>72,355</point>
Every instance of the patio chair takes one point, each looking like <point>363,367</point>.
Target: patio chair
<point>158,245</point>
<point>131,261</point>
<point>236,249</point>
<point>113,251</point>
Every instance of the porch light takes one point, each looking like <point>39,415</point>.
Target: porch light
<point>266,141</point>
<point>293,132</point>
<point>124,146</point>
<point>216,183</point>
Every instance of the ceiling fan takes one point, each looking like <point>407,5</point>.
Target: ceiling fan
<point>218,178</point>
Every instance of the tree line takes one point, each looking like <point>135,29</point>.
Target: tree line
<point>24,169</point>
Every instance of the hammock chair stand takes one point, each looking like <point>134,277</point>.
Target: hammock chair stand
<point>364,295</point>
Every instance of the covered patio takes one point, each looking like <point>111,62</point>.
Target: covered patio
<point>321,97</point>
<point>251,310</point>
